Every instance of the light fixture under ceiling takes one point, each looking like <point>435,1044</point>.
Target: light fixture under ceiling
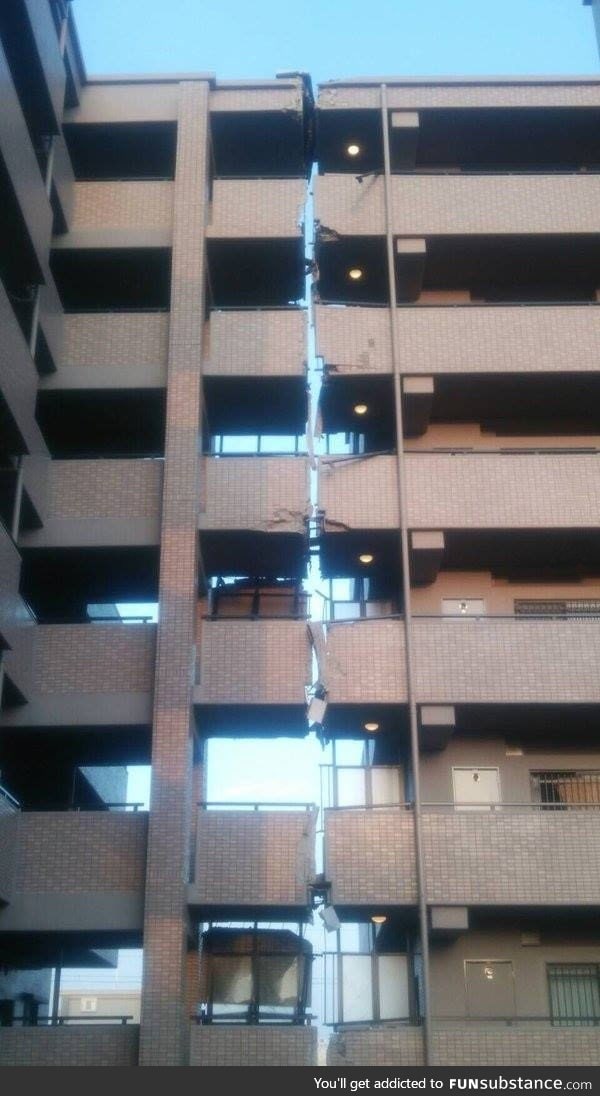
<point>353,149</point>
<point>355,273</point>
<point>371,727</point>
<point>379,919</point>
<point>360,408</point>
<point>366,557</point>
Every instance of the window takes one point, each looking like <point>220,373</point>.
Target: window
<point>574,994</point>
<point>563,788</point>
<point>89,1004</point>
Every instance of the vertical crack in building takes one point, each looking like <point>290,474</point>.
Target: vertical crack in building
<point>153,313</point>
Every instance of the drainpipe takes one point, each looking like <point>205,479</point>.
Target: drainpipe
<point>405,562</point>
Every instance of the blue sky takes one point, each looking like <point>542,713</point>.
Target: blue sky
<point>332,38</point>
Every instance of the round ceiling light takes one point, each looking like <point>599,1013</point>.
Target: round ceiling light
<point>379,919</point>
<point>360,408</point>
<point>371,727</point>
<point>355,273</point>
<point>353,149</point>
<point>366,557</point>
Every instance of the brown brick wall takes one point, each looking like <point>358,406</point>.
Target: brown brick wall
<point>493,660</point>
<point>84,1045</point>
<point>376,1046</point>
<point>369,856</point>
<point>417,96</point>
<point>470,1045</point>
<point>116,339</point>
<point>461,491</point>
<point>10,569</point>
<point>256,98</point>
<point>510,856</point>
<point>257,343</point>
<point>470,339</point>
<point>109,205</point>
<point>165,1028</point>
<point>442,204</point>
<point>257,208</point>
<point>80,851</point>
<point>229,1045</point>
<point>79,489</point>
<point>507,661</point>
<point>253,662</point>
<point>254,857</point>
<point>270,493</point>
<point>93,658</point>
<point>8,823</point>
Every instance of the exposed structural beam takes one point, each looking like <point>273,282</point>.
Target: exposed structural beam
<point>415,254</point>
<point>410,255</point>
<point>418,395</point>
<point>427,550</point>
<point>437,724</point>
<point>404,138</point>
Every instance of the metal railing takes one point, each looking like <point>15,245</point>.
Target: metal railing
<point>211,805</point>
<point>64,1021</point>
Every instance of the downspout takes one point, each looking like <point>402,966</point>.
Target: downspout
<point>405,563</point>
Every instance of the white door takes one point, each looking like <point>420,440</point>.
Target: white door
<point>476,789</point>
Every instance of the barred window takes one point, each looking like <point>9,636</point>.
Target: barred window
<point>566,787</point>
<point>574,994</point>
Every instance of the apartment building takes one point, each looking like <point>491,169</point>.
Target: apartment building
<point>596,13</point>
<point>154,312</point>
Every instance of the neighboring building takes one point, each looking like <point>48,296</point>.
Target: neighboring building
<point>116,1006</point>
<point>595,5</point>
<point>152,287</point>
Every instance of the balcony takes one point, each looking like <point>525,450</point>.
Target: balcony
<point>251,676</point>
<point>246,1045</point>
<point>113,350</point>
<point>251,860</point>
<point>437,205</point>
<point>461,340</point>
<point>120,214</point>
<point>77,872</point>
<point>96,503</point>
<point>79,675</point>
<point>512,855</point>
<point>457,491</point>
<point>253,513</point>
<point>256,343</point>
<point>457,660</point>
<point>258,209</point>
<point>70,1045</point>
<point>468,1043</point>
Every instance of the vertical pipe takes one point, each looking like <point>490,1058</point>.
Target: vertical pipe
<point>405,563</point>
<point>16,514</point>
<point>56,992</point>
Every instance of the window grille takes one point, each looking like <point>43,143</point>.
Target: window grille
<point>564,788</point>
<point>574,994</point>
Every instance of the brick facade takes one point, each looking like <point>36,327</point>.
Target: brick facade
<point>269,493</point>
<point>114,340</point>
<point>254,857</point>
<point>164,1032</point>
<point>256,208</point>
<point>72,1045</point>
<point>253,662</point>
<point>262,344</point>
<point>123,204</point>
<point>253,1046</point>
<point>80,852</point>
<point>467,339</point>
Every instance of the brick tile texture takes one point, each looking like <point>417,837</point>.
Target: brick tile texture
<point>462,491</point>
<point>123,204</point>
<point>257,343</point>
<point>268,493</point>
<point>70,853</point>
<point>116,339</point>
<point>493,660</point>
<point>98,658</point>
<point>470,1045</point>
<point>89,1045</point>
<point>257,208</point>
<point>164,1033</point>
<point>267,98</point>
<point>431,205</point>
<point>8,825</point>
<point>254,857</point>
<point>230,1045</point>
<point>253,662</point>
<point>467,339</point>
<point>104,488</point>
<point>471,858</point>
<point>461,96</point>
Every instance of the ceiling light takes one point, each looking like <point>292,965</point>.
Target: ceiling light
<point>355,273</point>
<point>353,150</point>
<point>379,919</point>
<point>366,557</point>
<point>372,727</point>
<point>360,408</point>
